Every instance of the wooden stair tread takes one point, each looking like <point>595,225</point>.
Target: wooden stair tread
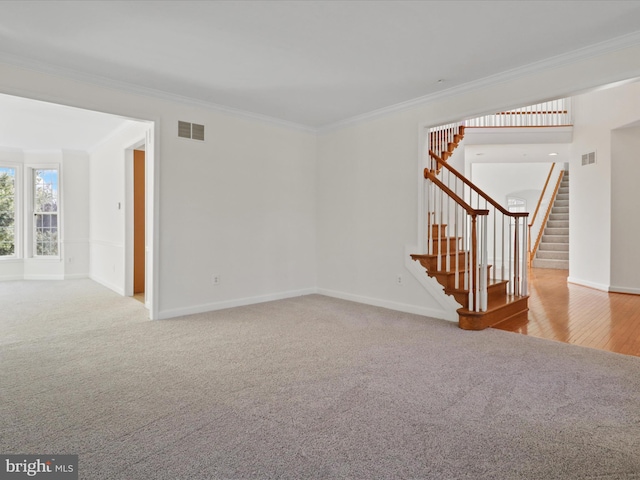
<point>429,256</point>
<point>498,310</point>
<point>492,283</point>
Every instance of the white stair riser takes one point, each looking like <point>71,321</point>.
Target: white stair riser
<point>555,238</point>
<point>555,264</point>
<point>557,224</point>
<point>555,247</point>
<point>544,254</point>
<point>556,231</point>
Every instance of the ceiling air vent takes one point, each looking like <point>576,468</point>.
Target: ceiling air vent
<point>190,130</point>
<point>588,158</point>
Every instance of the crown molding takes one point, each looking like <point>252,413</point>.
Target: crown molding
<point>127,87</point>
<point>608,46</point>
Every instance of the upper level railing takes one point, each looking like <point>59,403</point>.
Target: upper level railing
<point>547,114</point>
<point>485,235</point>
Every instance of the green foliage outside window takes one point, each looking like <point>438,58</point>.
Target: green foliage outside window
<point>7,212</point>
<point>46,212</point>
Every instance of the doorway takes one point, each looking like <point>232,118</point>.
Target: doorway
<point>139,264</point>
<point>140,221</point>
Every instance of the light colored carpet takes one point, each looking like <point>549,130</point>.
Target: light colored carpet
<point>310,387</point>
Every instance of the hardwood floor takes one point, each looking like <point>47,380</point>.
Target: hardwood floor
<point>580,315</point>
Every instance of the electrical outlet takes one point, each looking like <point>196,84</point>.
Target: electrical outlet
<point>215,279</point>
<point>399,279</point>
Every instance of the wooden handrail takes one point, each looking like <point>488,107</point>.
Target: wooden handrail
<point>546,217</point>
<point>472,186</point>
<point>521,126</point>
<point>533,112</point>
<point>469,209</point>
<point>544,189</point>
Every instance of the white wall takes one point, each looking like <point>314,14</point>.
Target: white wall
<point>368,173</point>
<point>367,213</point>
<point>75,192</point>
<point>242,204</point>
<point>107,205</point>
<point>592,216</point>
<point>499,180</point>
<point>625,220</point>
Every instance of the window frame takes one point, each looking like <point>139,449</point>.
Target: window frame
<point>18,215</point>
<point>30,223</point>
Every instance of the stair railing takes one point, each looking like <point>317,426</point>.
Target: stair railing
<point>553,113</point>
<point>537,224</point>
<point>444,138</point>
<point>482,225</point>
<point>533,249</point>
<point>470,270</point>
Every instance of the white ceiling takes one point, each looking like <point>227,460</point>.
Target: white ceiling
<point>312,63</point>
<point>31,125</point>
<point>523,153</point>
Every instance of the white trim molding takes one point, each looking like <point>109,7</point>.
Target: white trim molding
<point>632,291</point>
<point>239,302</point>
<point>607,46</point>
<point>101,81</point>
<point>108,284</point>
<point>391,305</point>
<point>612,45</point>
<point>586,283</point>
<point>55,276</point>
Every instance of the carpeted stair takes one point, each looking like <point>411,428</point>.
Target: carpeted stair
<point>553,251</point>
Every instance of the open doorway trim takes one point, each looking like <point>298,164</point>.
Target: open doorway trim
<point>149,142</point>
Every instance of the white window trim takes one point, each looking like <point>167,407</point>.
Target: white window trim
<point>29,243</point>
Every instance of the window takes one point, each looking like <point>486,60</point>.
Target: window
<point>31,229</point>
<point>7,212</point>
<point>45,211</point>
<point>516,204</point>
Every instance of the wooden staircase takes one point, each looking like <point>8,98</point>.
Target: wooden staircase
<point>459,218</point>
<point>501,306</point>
<point>445,140</point>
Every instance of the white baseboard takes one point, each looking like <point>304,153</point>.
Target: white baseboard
<point>633,291</point>
<point>55,276</point>
<point>75,276</point>
<point>43,277</point>
<point>108,284</point>
<point>240,302</point>
<point>9,278</point>
<point>585,283</point>
<point>400,307</point>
